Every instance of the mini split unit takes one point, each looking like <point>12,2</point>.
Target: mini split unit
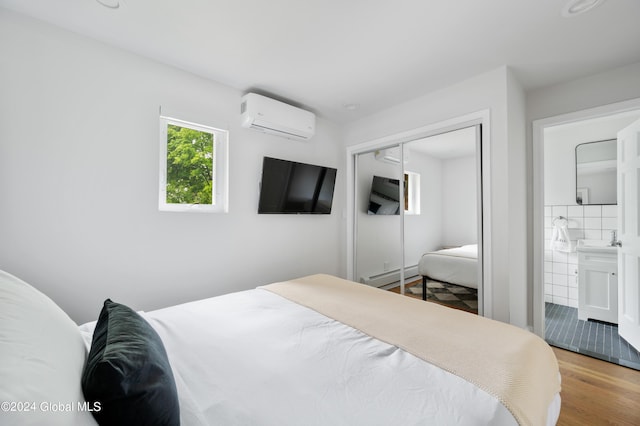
<point>391,155</point>
<point>277,118</point>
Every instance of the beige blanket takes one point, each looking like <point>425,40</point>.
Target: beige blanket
<point>515,366</point>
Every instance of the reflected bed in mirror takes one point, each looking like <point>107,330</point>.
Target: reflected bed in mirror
<point>596,169</point>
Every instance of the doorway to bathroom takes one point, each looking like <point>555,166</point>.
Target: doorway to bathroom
<point>576,224</point>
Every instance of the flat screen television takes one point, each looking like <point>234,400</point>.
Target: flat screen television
<point>289,187</point>
<point>384,197</point>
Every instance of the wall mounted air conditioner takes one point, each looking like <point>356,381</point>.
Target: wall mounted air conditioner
<point>270,116</point>
<point>391,155</point>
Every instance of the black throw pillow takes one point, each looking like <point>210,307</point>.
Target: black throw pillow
<point>128,373</point>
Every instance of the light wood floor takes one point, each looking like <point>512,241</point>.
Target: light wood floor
<point>596,392</point>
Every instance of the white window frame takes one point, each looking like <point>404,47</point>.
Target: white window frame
<point>220,187</point>
<point>413,193</point>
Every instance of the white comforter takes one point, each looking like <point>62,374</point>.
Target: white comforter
<point>255,358</point>
<point>457,265</point>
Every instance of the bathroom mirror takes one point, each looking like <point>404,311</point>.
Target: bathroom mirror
<point>596,167</point>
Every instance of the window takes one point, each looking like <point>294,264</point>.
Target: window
<point>411,193</point>
<point>193,167</point>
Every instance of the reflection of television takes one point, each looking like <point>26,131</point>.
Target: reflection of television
<point>384,197</point>
<point>295,188</point>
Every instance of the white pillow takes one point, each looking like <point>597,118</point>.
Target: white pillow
<point>42,355</point>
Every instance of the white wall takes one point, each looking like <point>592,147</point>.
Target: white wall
<point>425,232</point>
<point>608,87</point>
<point>79,181</point>
<point>378,236</point>
<point>521,294</point>
<point>459,202</point>
<point>612,86</point>
<point>486,91</point>
<point>560,154</point>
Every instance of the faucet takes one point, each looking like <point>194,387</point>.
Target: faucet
<point>614,239</point>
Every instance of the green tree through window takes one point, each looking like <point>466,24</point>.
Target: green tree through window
<point>189,166</point>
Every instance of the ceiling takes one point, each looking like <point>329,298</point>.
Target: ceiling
<point>325,54</point>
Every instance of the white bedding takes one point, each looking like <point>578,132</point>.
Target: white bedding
<point>255,358</point>
<point>456,265</point>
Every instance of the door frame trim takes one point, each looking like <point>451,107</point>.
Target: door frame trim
<point>483,118</point>
<point>539,126</point>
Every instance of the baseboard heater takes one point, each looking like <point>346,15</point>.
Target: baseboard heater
<point>389,277</point>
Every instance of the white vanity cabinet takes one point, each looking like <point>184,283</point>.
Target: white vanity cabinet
<point>598,283</point>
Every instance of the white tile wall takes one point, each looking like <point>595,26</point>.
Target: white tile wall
<point>561,269</point>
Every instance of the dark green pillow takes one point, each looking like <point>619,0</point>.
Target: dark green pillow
<point>128,373</point>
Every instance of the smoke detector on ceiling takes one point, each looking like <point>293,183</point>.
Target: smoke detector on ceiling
<point>578,7</point>
<point>111,4</point>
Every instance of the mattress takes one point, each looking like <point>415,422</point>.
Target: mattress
<point>456,265</point>
<point>257,358</point>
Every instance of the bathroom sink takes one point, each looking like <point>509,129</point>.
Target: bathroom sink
<point>594,243</point>
<point>596,246</point>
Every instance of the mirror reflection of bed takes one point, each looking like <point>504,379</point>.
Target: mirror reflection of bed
<point>448,277</point>
<point>438,234</point>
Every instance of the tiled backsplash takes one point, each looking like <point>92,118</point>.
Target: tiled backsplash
<point>560,268</point>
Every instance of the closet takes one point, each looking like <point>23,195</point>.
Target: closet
<point>413,197</point>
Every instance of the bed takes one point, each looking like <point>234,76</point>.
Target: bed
<point>317,350</point>
<point>457,265</point>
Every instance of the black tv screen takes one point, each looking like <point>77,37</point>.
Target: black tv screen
<point>384,197</point>
<point>290,187</point>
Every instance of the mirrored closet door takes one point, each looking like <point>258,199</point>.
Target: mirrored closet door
<point>378,217</point>
<point>417,215</point>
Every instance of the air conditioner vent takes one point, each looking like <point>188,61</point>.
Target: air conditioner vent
<point>278,118</point>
